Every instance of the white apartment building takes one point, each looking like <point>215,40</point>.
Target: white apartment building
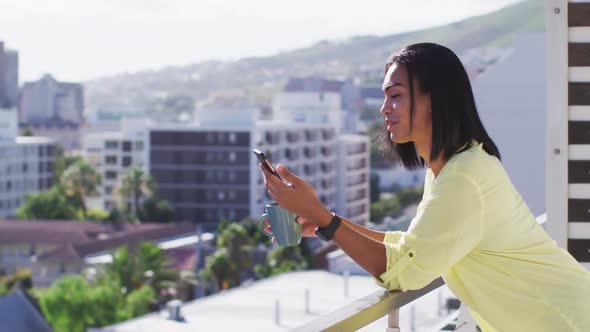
<point>112,154</point>
<point>307,149</point>
<point>310,101</point>
<point>26,164</point>
<point>352,199</point>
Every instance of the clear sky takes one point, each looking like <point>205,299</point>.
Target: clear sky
<point>83,39</point>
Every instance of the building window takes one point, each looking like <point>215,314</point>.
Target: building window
<point>139,146</point>
<point>232,138</point>
<point>232,157</point>
<point>110,145</point>
<point>210,138</point>
<point>111,175</point>
<point>110,160</point>
<point>209,175</point>
<point>126,146</point>
<point>25,167</point>
<point>220,196</point>
<point>108,190</point>
<point>232,194</point>
<point>126,161</point>
<point>221,137</point>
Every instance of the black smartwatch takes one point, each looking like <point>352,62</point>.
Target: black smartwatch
<point>327,233</point>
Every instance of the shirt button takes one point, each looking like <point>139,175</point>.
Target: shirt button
<point>411,254</point>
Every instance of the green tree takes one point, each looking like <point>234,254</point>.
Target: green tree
<point>409,196</point>
<point>96,215</point>
<point>147,265</point>
<point>281,260</point>
<point>28,132</point>
<point>50,204</point>
<point>138,302</point>
<point>374,187</point>
<point>156,210</point>
<point>235,242</point>
<point>80,180</point>
<point>384,208</point>
<point>62,162</point>
<point>220,269</point>
<point>73,305</point>
<point>135,185</point>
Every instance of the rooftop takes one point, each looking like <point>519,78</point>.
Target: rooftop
<point>256,305</point>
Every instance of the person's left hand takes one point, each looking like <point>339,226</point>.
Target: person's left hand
<point>297,196</point>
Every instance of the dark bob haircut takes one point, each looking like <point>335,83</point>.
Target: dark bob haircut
<point>455,122</point>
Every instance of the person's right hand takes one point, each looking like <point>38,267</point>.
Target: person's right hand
<point>307,228</point>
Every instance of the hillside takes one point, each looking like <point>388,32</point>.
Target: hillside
<point>254,79</point>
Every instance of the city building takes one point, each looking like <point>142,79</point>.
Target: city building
<point>54,109</point>
<point>52,249</point>
<point>352,192</point>
<point>112,154</point>
<point>207,171</point>
<point>9,91</point>
<point>26,164</point>
<point>318,100</point>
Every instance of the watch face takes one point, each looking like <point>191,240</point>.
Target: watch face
<point>320,235</point>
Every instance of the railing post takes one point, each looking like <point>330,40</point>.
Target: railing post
<point>465,322</point>
<point>393,321</point>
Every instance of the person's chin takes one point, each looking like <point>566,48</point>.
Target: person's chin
<point>396,139</point>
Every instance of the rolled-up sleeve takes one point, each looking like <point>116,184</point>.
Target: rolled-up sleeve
<point>447,227</point>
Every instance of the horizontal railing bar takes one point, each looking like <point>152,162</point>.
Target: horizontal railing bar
<point>367,310</point>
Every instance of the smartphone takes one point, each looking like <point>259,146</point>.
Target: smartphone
<point>266,163</point>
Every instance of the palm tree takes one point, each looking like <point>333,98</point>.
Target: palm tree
<point>136,185</point>
<point>144,265</point>
<point>80,181</point>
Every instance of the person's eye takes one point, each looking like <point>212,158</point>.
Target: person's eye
<point>394,95</point>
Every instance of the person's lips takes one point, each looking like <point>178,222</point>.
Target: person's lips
<point>389,124</point>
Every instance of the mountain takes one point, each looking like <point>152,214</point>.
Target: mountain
<point>254,79</point>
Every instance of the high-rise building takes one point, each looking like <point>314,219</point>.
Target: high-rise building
<point>54,109</point>
<point>11,89</point>
<point>207,170</point>
<point>8,77</point>
<point>47,102</point>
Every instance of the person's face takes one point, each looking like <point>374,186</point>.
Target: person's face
<point>397,104</point>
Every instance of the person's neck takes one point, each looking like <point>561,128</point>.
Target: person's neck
<point>424,149</point>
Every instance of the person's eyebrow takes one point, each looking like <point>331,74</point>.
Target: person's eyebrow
<point>389,85</point>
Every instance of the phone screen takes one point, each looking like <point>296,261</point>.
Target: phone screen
<point>266,163</point>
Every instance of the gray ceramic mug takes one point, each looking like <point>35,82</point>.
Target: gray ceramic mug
<point>285,229</point>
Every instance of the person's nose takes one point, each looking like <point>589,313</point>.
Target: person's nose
<point>385,109</point>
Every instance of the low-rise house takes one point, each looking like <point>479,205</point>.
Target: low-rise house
<point>52,249</point>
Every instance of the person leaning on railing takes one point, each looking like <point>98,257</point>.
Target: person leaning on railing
<point>472,227</point>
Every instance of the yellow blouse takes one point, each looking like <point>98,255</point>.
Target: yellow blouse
<point>473,228</point>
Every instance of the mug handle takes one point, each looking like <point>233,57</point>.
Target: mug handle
<point>261,225</point>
